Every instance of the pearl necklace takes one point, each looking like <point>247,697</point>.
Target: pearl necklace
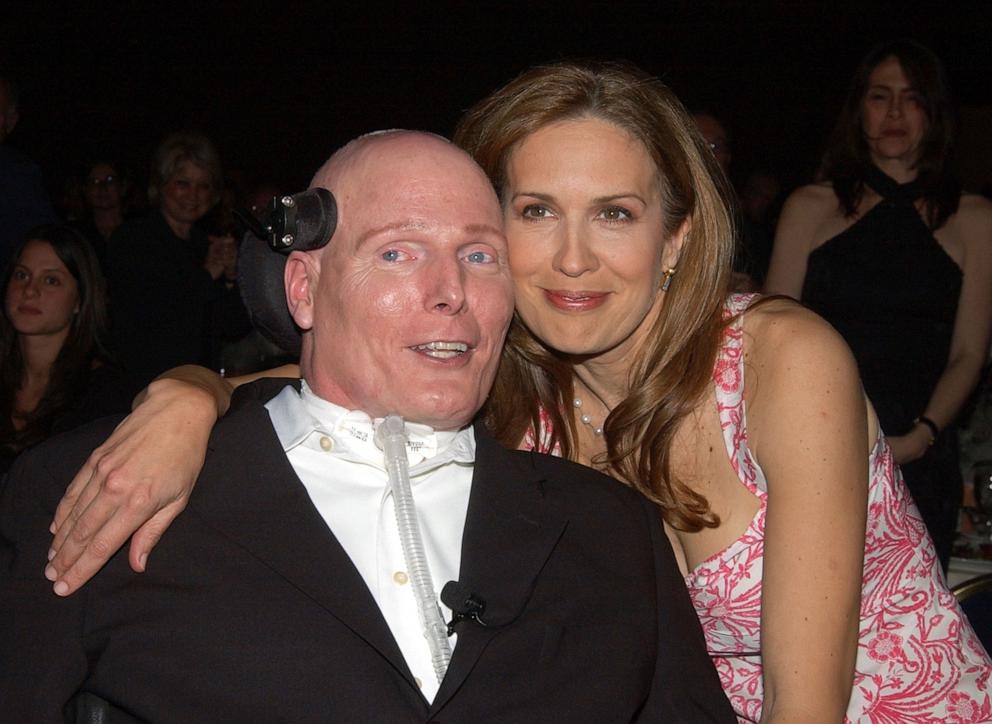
<point>586,420</point>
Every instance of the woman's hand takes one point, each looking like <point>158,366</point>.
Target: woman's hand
<point>137,482</point>
<point>222,257</point>
<point>911,446</point>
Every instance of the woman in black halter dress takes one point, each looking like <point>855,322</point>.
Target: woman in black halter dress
<point>890,252</point>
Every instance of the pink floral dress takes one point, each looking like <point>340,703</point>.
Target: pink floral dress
<point>918,658</point>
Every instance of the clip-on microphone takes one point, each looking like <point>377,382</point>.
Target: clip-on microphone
<point>464,605</point>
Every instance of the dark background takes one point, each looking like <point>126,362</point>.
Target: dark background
<point>279,86</point>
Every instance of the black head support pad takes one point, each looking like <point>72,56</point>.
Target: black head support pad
<point>304,222</point>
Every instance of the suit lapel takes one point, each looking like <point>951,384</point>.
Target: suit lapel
<point>251,494</point>
<point>510,532</point>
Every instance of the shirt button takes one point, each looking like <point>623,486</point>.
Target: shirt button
<point>326,443</point>
<point>400,578</point>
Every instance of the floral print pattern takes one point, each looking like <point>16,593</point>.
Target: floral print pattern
<point>918,658</point>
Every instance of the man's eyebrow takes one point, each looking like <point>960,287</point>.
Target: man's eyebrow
<point>473,229</point>
<point>396,226</point>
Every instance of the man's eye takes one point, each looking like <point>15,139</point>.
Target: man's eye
<point>391,255</point>
<point>480,257</point>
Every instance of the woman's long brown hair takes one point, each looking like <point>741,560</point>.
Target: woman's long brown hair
<point>670,375</point>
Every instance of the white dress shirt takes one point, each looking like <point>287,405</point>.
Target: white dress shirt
<point>333,452</point>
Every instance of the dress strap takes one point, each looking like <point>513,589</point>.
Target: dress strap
<point>728,374</point>
<point>737,303</point>
<point>728,378</point>
<point>890,189</point>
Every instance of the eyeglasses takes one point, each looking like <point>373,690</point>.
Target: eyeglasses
<point>109,180</point>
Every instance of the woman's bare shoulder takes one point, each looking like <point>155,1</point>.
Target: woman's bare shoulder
<point>781,332</point>
<point>797,360</point>
<point>974,209</point>
<point>814,197</point>
<point>971,227</point>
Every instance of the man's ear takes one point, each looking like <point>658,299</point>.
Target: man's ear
<point>300,278</point>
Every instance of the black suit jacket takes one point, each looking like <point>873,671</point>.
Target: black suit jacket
<point>250,610</point>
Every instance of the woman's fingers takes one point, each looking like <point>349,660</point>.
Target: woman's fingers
<point>138,480</point>
<point>101,531</point>
<point>150,533</point>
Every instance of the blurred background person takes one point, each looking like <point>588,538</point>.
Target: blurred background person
<point>760,200</point>
<point>69,204</point>
<point>166,276</point>
<point>899,261</point>
<point>715,134</point>
<point>55,372</point>
<point>23,200</point>
<point>758,196</point>
<point>105,189</point>
<point>754,240</point>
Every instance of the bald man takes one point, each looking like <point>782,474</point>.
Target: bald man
<point>282,593</point>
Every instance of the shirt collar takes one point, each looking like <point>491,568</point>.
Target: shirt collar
<point>296,415</point>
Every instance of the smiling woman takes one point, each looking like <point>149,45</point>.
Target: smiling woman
<point>611,237</point>
<point>167,277</point>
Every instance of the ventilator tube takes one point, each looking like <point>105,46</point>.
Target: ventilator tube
<point>391,437</point>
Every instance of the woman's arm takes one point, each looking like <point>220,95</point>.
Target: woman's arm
<point>139,480</point>
<point>972,326</point>
<point>808,427</point>
<point>795,234</point>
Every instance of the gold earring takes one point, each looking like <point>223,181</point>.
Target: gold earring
<point>666,279</point>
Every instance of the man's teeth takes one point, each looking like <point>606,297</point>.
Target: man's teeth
<point>442,350</point>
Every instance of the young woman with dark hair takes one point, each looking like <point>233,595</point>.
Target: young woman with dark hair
<point>54,370</point>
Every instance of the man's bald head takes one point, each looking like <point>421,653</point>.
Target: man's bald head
<point>405,310</point>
